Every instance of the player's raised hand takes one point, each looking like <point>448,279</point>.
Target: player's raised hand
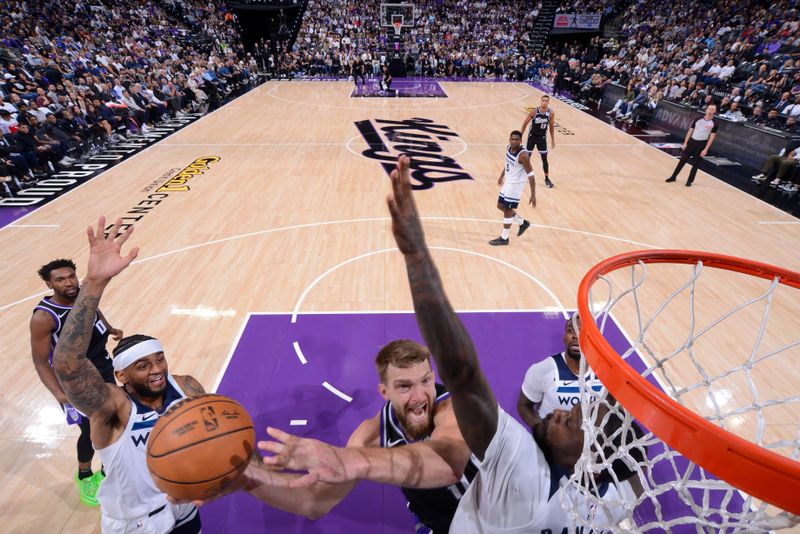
<point>105,259</point>
<point>323,462</point>
<point>406,226</point>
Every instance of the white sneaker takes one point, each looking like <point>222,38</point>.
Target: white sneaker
<point>759,177</point>
<point>789,188</point>
<point>775,182</point>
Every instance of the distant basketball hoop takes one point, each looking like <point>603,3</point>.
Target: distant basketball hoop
<point>397,25</point>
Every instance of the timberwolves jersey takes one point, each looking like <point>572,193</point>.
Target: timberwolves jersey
<point>128,492</point>
<point>552,384</point>
<point>518,491</point>
<point>433,507</point>
<point>96,352</point>
<point>515,171</point>
<point>540,123</point>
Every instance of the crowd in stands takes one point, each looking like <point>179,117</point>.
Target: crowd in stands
<point>454,38</point>
<point>78,78</point>
<point>740,54</point>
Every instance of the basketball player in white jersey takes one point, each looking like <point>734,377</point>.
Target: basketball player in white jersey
<point>516,487</point>
<point>122,417</point>
<point>516,172</point>
<point>553,382</point>
<point>544,120</point>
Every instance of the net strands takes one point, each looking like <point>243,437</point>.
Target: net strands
<point>658,489</point>
<point>398,25</point>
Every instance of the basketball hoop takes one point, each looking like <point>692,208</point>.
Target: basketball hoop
<point>397,25</point>
<point>716,478</point>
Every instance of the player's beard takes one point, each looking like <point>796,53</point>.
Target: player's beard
<point>69,295</point>
<point>143,390</point>
<point>417,430</point>
<point>576,355</point>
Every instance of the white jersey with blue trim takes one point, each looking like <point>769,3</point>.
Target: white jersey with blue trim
<point>514,170</point>
<point>551,384</point>
<point>128,491</point>
<point>517,491</point>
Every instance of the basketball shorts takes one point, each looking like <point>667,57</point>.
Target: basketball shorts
<point>538,141</point>
<point>510,194</point>
<point>175,518</point>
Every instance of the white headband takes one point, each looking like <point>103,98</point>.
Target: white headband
<point>136,352</point>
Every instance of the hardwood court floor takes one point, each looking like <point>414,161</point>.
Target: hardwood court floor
<point>291,199</point>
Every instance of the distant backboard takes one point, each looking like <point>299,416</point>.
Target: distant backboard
<point>392,13</point>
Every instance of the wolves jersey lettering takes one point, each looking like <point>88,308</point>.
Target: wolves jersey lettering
<point>551,384</point>
<point>434,507</point>
<point>128,494</point>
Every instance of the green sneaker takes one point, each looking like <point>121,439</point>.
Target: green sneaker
<point>87,488</point>
<point>98,476</point>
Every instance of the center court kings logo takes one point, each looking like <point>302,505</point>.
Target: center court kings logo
<point>421,140</point>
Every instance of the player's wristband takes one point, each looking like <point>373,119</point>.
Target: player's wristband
<point>531,173</point>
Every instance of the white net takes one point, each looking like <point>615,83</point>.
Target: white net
<point>727,347</point>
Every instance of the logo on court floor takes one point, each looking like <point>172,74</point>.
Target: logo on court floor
<point>164,186</point>
<point>419,139</point>
<point>48,189</point>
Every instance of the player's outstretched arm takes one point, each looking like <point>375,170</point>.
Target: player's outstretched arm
<point>306,494</point>
<point>433,463</point>
<point>80,379</point>
<point>473,401</point>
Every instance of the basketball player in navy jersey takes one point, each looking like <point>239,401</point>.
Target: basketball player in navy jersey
<point>544,119</point>
<point>552,384</point>
<point>517,484</point>
<point>516,171</point>
<point>412,442</point>
<point>121,417</point>
<point>46,324</point>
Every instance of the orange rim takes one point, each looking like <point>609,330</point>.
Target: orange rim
<point>753,469</point>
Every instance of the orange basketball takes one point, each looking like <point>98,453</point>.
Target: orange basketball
<point>199,445</point>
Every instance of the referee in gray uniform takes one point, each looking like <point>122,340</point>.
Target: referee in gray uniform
<point>697,143</point>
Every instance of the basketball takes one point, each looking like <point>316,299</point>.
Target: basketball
<point>199,445</point>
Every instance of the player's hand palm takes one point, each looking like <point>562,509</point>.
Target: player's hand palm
<point>105,260</point>
<point>406,226</point>
<point>320,460</point>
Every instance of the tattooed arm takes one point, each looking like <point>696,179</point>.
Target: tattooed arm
<point>190,385</point>
<point>456,360</point>
<point>83,385</point>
